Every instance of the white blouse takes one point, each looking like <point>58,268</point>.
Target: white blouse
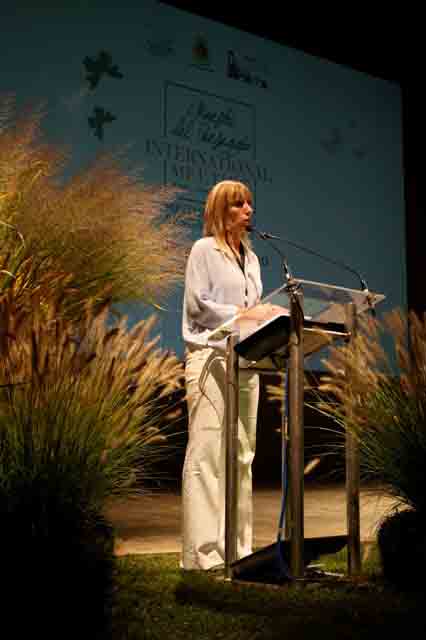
<point>215,286</point>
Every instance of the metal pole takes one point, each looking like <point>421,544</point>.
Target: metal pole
<point>231,471</point>
<point>296,428</point>
<point>352,475</point>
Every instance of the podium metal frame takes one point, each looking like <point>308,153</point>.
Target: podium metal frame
<point>295,525</point>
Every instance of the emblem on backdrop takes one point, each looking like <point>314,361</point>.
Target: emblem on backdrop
<point>96,68</point>
<point>201,58</point>
<point>100,66</point>
<point>247,69</point>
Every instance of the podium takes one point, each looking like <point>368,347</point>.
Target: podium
<point>305,317</point>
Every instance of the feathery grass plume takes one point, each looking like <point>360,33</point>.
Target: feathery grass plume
<point>103,225</point>
<point>83,398</point>
<point>384,410</point>
<point>20,275</point>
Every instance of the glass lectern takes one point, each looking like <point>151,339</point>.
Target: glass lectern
<point>294,321</point>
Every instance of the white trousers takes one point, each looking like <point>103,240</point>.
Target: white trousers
<point>203,488</point>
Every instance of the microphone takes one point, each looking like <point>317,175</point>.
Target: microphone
<point>364,287</point>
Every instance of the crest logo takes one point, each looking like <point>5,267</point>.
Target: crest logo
<point>201,54</point>
<point>246,69</point>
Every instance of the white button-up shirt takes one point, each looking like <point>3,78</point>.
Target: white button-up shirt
<point>215,286</point>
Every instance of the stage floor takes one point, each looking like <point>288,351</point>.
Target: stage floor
<point>151,523</point>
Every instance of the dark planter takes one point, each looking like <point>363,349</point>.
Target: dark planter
<point>59,571</point>
<point>402,544</point>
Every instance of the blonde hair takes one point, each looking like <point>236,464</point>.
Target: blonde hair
<point>219,200</point>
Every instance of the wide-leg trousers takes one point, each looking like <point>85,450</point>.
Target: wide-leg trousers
<point>203,488</point>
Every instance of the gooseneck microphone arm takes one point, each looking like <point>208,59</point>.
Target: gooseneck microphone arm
<point>338,263</point>
<point>287,274</point>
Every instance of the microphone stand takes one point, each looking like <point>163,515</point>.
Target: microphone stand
<point>295,435</point>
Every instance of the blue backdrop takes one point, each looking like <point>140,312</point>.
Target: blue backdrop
<point>319,143</point>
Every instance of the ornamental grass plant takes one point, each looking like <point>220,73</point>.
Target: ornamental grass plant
<point>86,407</point>
<point>385,408</point>
<point>103,226</point>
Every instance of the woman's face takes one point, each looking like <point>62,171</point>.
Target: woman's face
<point>240,212</point>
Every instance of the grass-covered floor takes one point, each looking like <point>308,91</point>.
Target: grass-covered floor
<point>156,600</point>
